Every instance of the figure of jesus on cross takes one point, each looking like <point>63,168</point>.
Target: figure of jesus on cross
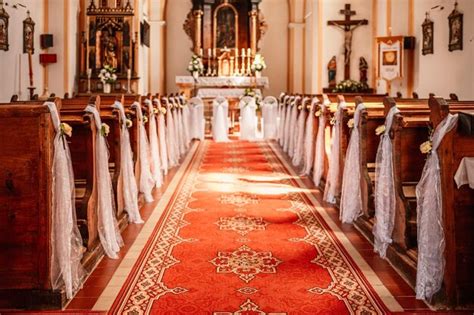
<point>348,26</point>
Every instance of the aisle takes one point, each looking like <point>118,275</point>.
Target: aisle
<point>241,235</point>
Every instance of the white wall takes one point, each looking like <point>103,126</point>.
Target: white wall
<point>334,38</point>
<point>445,72</point>
<point>10,60</point>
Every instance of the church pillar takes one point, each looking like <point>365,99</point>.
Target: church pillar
<point>253,30</point>
<point>296,32</point>
<point>197,31</point>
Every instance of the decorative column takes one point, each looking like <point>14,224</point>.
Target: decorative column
<point>197,30</point>
<point>253,30</point>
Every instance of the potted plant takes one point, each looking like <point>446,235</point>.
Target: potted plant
<point>258,65</point>
<point>195,66</point>
<point>108,77</point>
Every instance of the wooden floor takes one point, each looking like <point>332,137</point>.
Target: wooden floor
<point>87,297</point>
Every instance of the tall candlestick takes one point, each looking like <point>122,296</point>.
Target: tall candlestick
<point>89,75</point>
<point>129,78</point>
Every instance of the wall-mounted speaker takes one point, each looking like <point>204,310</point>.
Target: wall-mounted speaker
<point>46,41</point>
<point>409,42</point>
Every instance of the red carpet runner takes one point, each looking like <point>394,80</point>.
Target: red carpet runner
<point>240,237</point>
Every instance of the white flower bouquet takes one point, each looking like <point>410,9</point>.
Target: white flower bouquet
<point>258,64</point>
<point>196,65</point>
<point>107,75</point>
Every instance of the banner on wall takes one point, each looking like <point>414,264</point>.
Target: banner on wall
<point>390,57</point>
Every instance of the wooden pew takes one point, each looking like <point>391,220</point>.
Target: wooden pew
<point>26,137</point>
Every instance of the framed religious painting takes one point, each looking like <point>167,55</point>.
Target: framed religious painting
<point>428,35</point>
<point>455,29</point>
<point>145,33</point>
<point>28,35</point>
<point>3,28</point>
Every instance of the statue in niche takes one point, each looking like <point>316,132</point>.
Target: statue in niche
<point>109,48</point>
<point>363,67</point>
<point>225,24</point>
<point>126,34</point>
<point>332,68</point>
<point>92,33</point>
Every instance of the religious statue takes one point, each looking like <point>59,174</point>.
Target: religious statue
<point>332,68</point>
<point>363,67</point>
<point>348,41</point>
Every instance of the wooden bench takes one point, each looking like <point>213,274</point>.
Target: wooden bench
<point>26,137</point>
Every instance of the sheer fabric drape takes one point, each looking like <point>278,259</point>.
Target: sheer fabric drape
<point>308,147</point>
<point>129,186</point>
<point>431,240</point>
<point>331,187</point>
<point>286,133</point>
<point>173,155</point>
<point>293,127</point>
<point>109,233</point>
<point>384,189</point>
<point>66,241</point>
<point>299,135</point>
<point>282,121</point>
<point>146,179</point>
<point>351,196</point>
<point>162,138</point>
<point>186,122</point>
<point>270,117</point>
<point>248,122</point>
<point>319,150</point>
<point>219,120</point>
<point>154,145</point>
<point>197,118</point>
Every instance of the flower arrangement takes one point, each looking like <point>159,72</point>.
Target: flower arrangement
<point>252,93</point>
<point>129,123</point>
<point>145,119</point>
<point>333,121</point>
<point>258,64</point>
<point>380,130</point>
<point>350,123</point>
<point>107,75</point>
<point>196,65</point>
<point>350,86</point>
<point>66,130</point>
<point>427,146</point>
<point>318,112</point>
<point>163,110</point>
<point>104,130</point>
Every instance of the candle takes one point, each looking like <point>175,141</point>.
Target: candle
<point>200,52</point>
<point>243,51</point>
<point>209,52</point>
<point>249,52</point>
<point>236,52</point>
<point>89,73</point>
<point>129,73</point>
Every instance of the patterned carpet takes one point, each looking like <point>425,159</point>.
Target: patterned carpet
<point>241,235</point>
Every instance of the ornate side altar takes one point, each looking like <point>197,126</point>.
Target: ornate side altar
<point>109,38</point>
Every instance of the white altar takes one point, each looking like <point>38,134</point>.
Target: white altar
<point>229,87</point>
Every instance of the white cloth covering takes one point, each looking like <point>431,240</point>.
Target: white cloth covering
<point>281,122</point>
<point>351,196</point>
<point>186,122</point>
<point>129,186</point>
<point>219,119</point>
<point>431,241</point>
<point>154,145</point>
<point>332,182</point>
<point>198,123</point>
<point>293,125</point>
<point>66,241</point>
<point>109,233</point>
<point>270,117</point>
<point>177,129</point>
<point>162,137</point>
<point>146,178</point>
<point>286,131</point>
<point>248,119</point>
<point>385,195</point>
<point>308,157</point>
<point>320,149</point>
<point>298,147</point>
<point>465,173</point>
<point>173,155</point>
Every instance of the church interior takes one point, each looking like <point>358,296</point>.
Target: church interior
<point>237,157</point>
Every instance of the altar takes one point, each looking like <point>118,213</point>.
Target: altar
<point>232,88</point>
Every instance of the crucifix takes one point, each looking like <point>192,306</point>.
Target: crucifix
<point>348,26</point>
